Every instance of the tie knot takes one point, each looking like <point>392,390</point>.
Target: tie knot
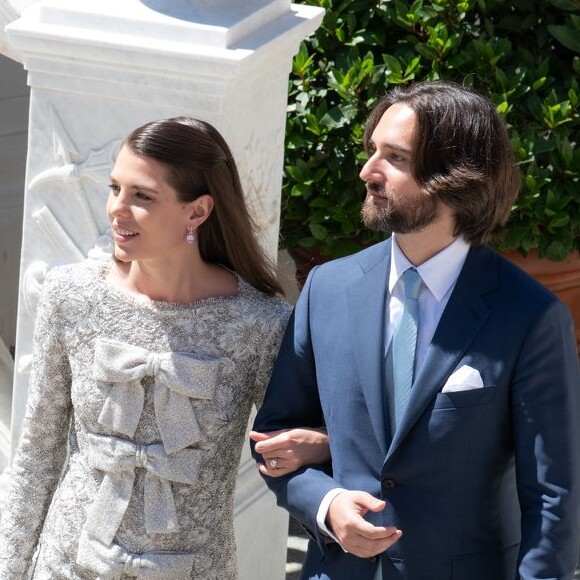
<point>411,282</point>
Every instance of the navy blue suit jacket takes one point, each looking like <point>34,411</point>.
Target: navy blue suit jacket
<point>484,483</point>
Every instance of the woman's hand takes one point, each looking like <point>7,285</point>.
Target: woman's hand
<point>287,450</point>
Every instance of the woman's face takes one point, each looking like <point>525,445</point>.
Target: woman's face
<point>148,220</point>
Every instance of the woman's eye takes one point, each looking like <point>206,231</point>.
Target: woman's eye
<point>142,196</point>
<point>114,188</point>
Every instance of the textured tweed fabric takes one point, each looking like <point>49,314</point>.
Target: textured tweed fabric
<point>136,418</point>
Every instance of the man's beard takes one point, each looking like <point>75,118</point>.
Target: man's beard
<point>399,216</point>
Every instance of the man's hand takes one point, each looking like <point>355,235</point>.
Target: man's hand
<point>287,450</point>
<point>354,533</point>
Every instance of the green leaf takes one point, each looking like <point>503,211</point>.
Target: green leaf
<point>427,51</point>
<point>502,107</point>
<point>308,242</point>
<point>393,65</point>
<point>556,251</point>
<point>501,78</point>
<point>319,202</point>
<point>539,83</point>
<point>567,152</point>
<point>566,4</point>
<point>530,182</point>
<point>569,36</point>
<point>318,232</point>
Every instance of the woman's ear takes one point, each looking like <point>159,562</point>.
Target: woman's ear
<point>200,210</point>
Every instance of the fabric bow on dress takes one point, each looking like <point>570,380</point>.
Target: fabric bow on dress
<point>178,376</point>
<point>113,562</point>
<point>118,459</point>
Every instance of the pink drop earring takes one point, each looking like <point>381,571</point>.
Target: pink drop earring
<point>190,237</point>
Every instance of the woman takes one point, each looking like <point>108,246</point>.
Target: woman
<point>145,371</point>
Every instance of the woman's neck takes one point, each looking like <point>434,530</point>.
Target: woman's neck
<point>166,282</point>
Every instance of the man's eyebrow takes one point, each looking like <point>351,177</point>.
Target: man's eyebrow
<point>385,144</point>
<point>396,147</point>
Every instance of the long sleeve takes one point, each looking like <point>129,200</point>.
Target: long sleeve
<point>292,400</point>
<point>268,353</point>
<point>546,411</point>
<point>42,450</point>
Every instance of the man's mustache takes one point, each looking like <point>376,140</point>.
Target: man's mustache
<point>376,188</point>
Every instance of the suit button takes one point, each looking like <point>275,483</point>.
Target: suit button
<point>389,483</point>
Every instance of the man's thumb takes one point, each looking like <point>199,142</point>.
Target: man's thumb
<point>373,504</point>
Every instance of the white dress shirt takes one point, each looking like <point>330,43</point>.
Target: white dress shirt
<point>439,275</point>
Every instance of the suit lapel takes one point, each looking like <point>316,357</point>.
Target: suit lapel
<point>462,319</point>
<point>366,319</point>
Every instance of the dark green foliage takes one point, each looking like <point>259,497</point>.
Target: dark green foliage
<point>523,54</point>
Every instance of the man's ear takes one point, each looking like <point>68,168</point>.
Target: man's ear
<point>200,210</point>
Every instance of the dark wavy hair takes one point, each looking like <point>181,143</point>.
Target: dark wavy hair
<point>200,162</point>
<point>462,154</point>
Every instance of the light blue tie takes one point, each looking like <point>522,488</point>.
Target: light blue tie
<point>402,349</point>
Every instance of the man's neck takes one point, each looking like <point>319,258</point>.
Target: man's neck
<point>420,246</point>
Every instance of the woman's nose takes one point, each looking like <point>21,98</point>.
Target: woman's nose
<point>117,204</point>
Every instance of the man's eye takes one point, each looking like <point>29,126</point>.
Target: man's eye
<point>114,188</point>
<point>142,196</point>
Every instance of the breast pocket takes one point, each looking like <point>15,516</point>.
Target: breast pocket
<point>459,416</point>
<point>462,399</point>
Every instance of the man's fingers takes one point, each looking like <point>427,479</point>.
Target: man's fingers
<point>365,548</point>
<point>363,502</point>
<point>355,526</point>
<point>373,504</point>
<point>366,530</point>
<point>345,518</point>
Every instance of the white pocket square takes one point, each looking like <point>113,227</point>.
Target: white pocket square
<point>465,378</point>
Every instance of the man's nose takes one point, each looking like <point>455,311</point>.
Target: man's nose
<point>367,170</point>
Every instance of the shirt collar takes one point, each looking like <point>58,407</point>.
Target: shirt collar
<point>439,273</point>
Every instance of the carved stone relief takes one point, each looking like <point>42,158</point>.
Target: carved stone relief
<point>70,167</point>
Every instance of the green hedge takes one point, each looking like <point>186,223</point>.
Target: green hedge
<point>524,55</point>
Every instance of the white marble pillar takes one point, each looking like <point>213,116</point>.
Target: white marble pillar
<point>98,69</point>
<point>14,104</point>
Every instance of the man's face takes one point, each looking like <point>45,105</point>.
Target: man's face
<point>395,202</point>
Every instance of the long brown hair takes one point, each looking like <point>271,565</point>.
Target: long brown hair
<point>462,154</point>
<point>200,162</point>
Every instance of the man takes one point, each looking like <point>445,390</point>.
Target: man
<point>453,416</point>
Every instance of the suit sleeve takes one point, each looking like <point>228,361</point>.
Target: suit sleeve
<point>292,400</point>
<point>41,453</point>
<point>546,430</point>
